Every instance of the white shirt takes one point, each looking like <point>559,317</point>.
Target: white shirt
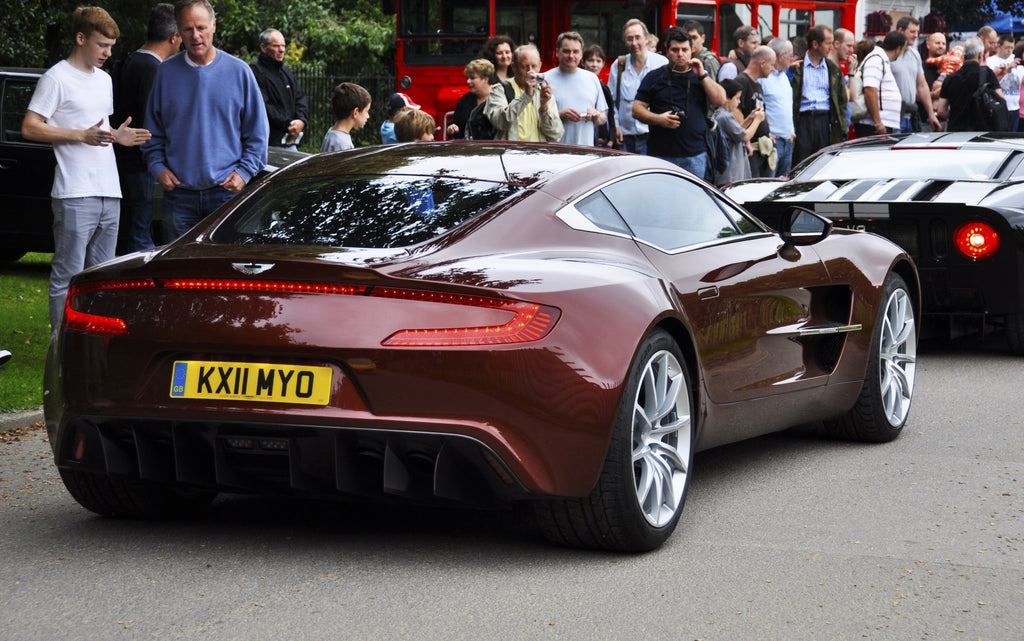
<point>1011,81</point>
<point>580,90</point>
<point>630,83</point>
<point>877,74</point>
<point>70,98</point>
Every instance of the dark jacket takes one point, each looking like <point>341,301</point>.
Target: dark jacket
<point>837,123</point>
<point>282,95</point>
<point>133,79</point>
<point>959,88</point>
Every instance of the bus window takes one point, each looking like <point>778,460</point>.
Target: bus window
<point>517,19</point>
<point>765,18</point>
<point>448,34</point>
<point>731,17</point>
<point>602,22</point>
<point>702,13</point>
<point>831,18</point>
<point>794,23</point>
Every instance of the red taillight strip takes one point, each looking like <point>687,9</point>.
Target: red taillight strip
<point>531,322</point>
<point>91,323</point>
<point>240,285</point>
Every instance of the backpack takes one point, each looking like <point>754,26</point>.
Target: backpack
<point>989,110</point>
<point>879,23</point>
<point>478,125</point>
<point>718,149</point>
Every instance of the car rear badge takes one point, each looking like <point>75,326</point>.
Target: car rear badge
<point>252,268</point>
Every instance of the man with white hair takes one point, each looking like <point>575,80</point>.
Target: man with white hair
<point>959,87</point>
<point>284,98</point>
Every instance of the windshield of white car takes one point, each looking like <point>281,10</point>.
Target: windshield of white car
<point>923,164</point>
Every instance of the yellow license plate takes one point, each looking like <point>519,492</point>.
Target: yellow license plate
<point>266,382</point>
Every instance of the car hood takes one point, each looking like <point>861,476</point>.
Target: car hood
<point>869,190</point>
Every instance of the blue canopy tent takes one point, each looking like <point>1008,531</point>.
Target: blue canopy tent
<point>1002,23</point>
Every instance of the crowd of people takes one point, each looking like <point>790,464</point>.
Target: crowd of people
<point>208,118</point>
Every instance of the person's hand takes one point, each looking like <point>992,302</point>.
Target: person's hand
<point>233,183</point>
<point>570,114</point>
<point>168,180</point>
<point>618,136</point>
<point>697,66</point>
<point>669,120</point>
<point>295,127</point>
<point>933,120</point>
<point>851,63</point>
<point>546,94</point>
<point>98,137</point>
<point>129,136</point>
<point>879,128</point>
<point>531,83</point>
<point>758,114</point>
<point>451,130</point>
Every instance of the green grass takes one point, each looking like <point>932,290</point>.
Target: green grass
<point>24,330</point>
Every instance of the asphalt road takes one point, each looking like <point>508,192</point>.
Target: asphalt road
<point>784,537</point>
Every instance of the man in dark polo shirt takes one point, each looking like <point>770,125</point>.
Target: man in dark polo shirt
<point>672,100</point>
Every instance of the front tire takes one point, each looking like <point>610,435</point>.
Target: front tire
<point>639,496</point>
<point>882,408</point>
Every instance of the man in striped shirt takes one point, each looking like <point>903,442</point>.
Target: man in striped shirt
<point>881,93</point>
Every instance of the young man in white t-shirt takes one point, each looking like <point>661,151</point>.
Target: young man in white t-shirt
<point>69,109</point>
<point>577,91</point>
<point>1010,74</point>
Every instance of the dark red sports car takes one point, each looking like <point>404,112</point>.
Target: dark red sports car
<point>473,322</point>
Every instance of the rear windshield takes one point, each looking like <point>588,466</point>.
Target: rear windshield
<point>938,164</point>
<point>358,211</point>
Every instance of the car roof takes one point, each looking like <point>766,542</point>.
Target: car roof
<point>522,164</point>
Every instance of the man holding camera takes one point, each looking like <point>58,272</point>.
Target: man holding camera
<point>672,100</point>
<point>524,107</point>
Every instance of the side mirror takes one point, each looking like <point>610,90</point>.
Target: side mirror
<point>801,226</point>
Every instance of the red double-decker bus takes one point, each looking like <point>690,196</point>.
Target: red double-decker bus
<point>436,38</point>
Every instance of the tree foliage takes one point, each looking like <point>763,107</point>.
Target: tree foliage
<point>972,12</point>
<point>324,32</point>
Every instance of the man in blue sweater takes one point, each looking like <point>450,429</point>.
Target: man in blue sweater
<point>208,121</point>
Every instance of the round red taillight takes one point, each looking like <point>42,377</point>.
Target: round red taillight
<point>976,240</point>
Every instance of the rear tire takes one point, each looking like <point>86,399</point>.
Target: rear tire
<point>1015,333</point>
<point>137,499</point>
<point>639,496</point>
<point>882,408</point>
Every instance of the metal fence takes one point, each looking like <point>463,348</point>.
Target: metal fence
<point>379,80</point>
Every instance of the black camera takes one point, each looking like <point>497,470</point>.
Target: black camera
<point>680,114</point>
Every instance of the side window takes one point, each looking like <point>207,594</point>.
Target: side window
<point>668,211</point>
<point>16,96</point>
<point>599,211</point>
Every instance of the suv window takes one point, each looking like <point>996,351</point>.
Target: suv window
<point>16,96</point>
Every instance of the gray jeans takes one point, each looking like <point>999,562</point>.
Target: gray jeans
<point>84,235</point>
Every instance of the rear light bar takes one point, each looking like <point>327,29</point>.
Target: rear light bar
<point>530,322</point>
<point>976,240</point>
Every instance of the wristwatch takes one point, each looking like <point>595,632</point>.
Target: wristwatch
<point>706,75</point>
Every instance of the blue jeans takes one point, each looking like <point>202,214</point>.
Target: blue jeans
<point>696,164</point>
<point>137,203</point>
<point>785,161</point>
<point>635,144</point>
<point>84,235</point>
<point>184,208</point>
<point>906,124</point>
